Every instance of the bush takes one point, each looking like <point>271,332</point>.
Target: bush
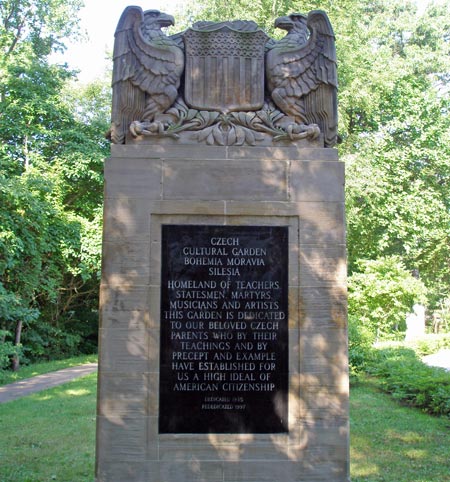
<point>430,344</point>
<point>45,342</point>
<point>360,341</point>
<point>382,294</point>
<point>404,375</point>
<point>7,350</point>
<point>426,345</point>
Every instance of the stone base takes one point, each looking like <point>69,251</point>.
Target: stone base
<point>148,186</point>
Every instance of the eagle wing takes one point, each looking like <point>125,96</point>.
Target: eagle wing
<point>146,74</point>
<point>302,79</point>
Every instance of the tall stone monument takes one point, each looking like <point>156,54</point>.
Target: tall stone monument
<point>223,337</point>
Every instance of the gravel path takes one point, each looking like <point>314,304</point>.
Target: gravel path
<point>28,386</point>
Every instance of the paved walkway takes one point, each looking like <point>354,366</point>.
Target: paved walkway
<point>28,386</point>
<point>440,359</point>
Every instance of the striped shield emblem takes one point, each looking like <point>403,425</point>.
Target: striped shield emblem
<point>224,69</point>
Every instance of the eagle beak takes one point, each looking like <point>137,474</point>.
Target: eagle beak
<point>284,23</point>
<point>166,20</point>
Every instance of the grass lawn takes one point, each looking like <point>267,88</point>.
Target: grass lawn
<point>394,443</point>
<point>50,436</point>
<point>28,371</point>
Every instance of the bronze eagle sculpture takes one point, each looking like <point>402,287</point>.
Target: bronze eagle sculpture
<point>247,90</point>
<point>147,69</point>
<point>301,72</point>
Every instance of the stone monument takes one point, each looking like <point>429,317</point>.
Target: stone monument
<point>223,335</point>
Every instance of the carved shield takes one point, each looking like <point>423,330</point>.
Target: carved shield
<point>224,68</point>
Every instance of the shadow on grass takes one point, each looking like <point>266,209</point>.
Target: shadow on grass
<point>390,442</point>
<point>50,435</point>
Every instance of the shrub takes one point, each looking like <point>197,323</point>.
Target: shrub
<point>7,350</point>
<point>426,345</point>
<point>404,375</point>
<point>382,294</point>
<point>360,341</point>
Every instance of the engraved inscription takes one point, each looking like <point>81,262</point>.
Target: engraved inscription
<point>224,334</point>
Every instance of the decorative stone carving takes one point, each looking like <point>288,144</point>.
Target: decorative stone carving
<point>147,69</point>
<point>240,87</point>
<point>224,66</point>
<point>301,72</point>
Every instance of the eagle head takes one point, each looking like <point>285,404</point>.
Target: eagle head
<point>293,21</point>
<point>156,20</point>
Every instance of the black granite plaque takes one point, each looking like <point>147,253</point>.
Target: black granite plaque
<point>224,329</point>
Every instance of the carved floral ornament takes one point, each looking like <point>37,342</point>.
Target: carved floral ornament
<point>224,83</point>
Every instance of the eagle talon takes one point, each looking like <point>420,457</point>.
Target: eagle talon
<point>136,128</point>
<point>146,128</point>
<point>302,131</point>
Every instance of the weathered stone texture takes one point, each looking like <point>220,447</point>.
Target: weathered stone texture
<point>148,186</point>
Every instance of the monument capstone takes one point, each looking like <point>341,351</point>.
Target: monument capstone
<point>223,332</point>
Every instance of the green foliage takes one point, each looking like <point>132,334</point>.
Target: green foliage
<point>426,345</point>
<point>7,350</point>
<point>49,259</point>
<point>394,122</point>
<point>51,158</point>
<point>36,27</point>
<point>360,341</point>
<point>381,294</point>
<point>411,381</point>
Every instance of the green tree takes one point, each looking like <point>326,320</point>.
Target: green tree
<point>398,154</point>
<point>393,70</point>
<point>381,294</point>
<point>51,152</point>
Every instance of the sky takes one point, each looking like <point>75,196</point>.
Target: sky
<point>99,19</point>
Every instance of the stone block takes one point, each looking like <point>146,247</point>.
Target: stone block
<point>128,261</point>
<point>147,152</point>
<point>282,153</point>
<point>120,471</point>
<point>323,266</point>
<point>301,188</point>
<point>316,181</point>
<point>123,438</point>
<point>123,394</point>
<point>124,350</point>
<point>230,180</point>
<point>123,295</point>
<point>125,218</point>
<point>189,471</point>
<point>133,178</point>
<point>322,222</point>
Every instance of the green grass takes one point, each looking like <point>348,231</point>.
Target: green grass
<point>390,442</point>
<point>51,436</point>
<point>28,371</point>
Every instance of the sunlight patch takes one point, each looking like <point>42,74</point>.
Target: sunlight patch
<point>78,393</point>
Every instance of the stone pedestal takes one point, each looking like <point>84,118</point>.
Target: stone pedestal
<point>147,187</point>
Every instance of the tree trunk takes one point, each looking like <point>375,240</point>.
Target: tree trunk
<point>16,360</point>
